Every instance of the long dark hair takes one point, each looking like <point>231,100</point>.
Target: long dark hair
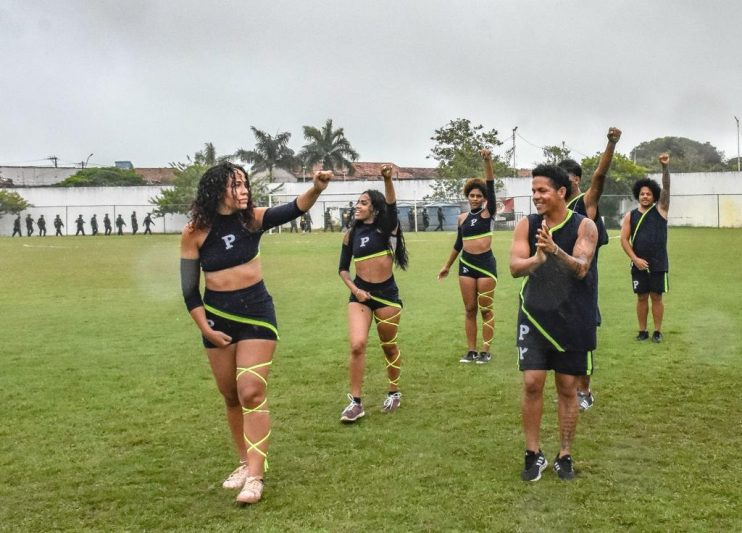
<point>211,189</point>
<point>385,222</point>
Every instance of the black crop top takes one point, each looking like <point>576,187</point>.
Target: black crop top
<point>229,244</point>
<point>369,241</point>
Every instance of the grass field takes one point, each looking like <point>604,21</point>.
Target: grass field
<point>111,420</point>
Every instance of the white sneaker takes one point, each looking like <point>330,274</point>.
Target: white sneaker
<point>237,478</point>
<point>252,491</point>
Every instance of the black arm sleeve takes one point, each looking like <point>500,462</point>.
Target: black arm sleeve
<point>459,244</point>
<point>275,216</point>
<point>189,273</point>
<point>345,255</point>
<point>491,205</point>
<point>391,220</point>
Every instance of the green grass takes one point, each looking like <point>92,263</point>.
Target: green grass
<point>111,420</point>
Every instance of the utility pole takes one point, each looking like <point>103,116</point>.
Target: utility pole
<point>515,170</point>
<point>735,118</point>
<point>53,158</point>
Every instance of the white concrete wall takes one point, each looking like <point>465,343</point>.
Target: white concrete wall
<point>36,176</point>
<point>698,199</point>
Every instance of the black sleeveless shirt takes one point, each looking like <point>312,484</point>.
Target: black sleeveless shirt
<point>558,310</point>
<point>649,238</point>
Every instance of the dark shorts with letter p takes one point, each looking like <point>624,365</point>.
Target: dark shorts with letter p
<point>644,281</point>
<point>242,314</point>
<point>571,363</point>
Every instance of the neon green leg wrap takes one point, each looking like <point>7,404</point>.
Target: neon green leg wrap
<point>485,301</point>
<point>241,371</point>
<point>391,342</point>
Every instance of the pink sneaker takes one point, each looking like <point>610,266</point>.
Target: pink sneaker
<point>237,478</point>
<point>252,491</point>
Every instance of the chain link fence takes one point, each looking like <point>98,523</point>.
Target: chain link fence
<point>334,213</point>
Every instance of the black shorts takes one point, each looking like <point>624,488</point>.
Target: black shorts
<point>242,314</point>
<point>572,363</point>
<point>477,266</point>
<point>384,294</point>
<point>644,281</point>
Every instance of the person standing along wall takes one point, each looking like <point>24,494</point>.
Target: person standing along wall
<point>120,225</point>
<point>644,239</point>
<point>29,225</point>
<point>58,225</point>
<point>41,223</point>
<point>80,226</point>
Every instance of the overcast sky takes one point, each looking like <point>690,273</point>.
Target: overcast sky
<point>151,81</point>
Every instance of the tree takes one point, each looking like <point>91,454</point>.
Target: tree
<point>181,196</point>
<point>103,177</point>
<point>12,202</point>
<point>328,147</point>
<point>270,152</point>
<point>456,149</point>
<point>686,155</point>
<point>187,175</point>
<point>621,177</point>
<point>208,158</point>
<point>555,154</point>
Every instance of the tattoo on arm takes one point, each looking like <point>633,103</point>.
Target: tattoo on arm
<point>665,193</point>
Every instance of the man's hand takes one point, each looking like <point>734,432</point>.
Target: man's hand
<point>641,264</point>
<point>544,242</point>
<point>386,172</point>
<point>614,134</point>
<point>664,159</point>
<point>486,154</point>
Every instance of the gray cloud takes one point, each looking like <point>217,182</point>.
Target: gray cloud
<point>151,81</point>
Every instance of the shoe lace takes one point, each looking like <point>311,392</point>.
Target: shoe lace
<point>238,472</point>
<point>389,401</point>
<point>254,485</point>
<point>351,404</point>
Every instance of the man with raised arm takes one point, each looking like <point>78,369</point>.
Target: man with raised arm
<point>553,251</point>
<point>644,239</point>
<point>587,204</point>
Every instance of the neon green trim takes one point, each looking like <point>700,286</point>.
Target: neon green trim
<point>589,370</point>
<point>488,234</point>
<point>254,446</point>
<point>533,320</point>
<point>378,254</point>
<point>490,322</point>
<point>251,370</point>
<point>573,201</point>
<point>667,284</point>
<point>258,409</point>
<point>563,222</point>
<point>467,263</point>
<point>391,342</point>
<point>631,241</point>
<point>241,319</point>
<point>385,302</point>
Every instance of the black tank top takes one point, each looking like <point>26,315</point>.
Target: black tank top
<point>560,309</point>
<point>577,204</point>
<point>649,238</point>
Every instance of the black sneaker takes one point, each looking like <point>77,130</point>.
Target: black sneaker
<point>563,467</point>
<point>535,464</point>
<point>643,335</point>
<point>657,337</point>
<point>484,357</point>
<point>470,357</point>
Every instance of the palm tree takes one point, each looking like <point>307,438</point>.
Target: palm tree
<point>270,152</point>
<point>208,158</point>
<point>329,147</point>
